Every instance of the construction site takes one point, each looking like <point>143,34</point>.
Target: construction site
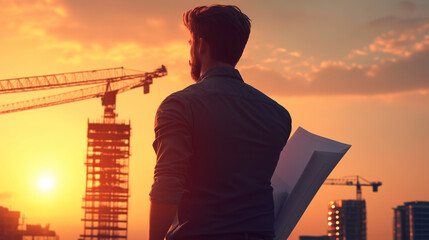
<point>347,219</point>
<point>106,198</point>
<point>105,201</point>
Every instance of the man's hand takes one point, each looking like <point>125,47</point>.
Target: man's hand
<point>160,219</point>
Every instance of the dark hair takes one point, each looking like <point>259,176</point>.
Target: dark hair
<point>225,28</point>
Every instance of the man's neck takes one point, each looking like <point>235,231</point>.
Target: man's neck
<point>213,64</point>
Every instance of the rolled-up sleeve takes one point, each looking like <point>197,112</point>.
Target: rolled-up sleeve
<point>173,148</point>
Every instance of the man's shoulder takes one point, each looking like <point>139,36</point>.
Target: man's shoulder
<point>183,95</point>
<point>257,94</point>
<point>188,91</point>
<point>179,99</point>
<point>282,111</point>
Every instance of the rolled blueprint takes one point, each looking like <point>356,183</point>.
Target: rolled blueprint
<point>304,164</point>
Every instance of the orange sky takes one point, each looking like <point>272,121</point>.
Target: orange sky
<point>352,71</point>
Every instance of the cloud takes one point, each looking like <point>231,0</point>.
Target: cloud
<point>272,56</point>
<point>337,78</point>
<point>76,52</point>
<point>394,62</point>
<point>279,50</point>
<point>285,51</point>
<point>110,21</point>
<point>399,42</point>
<point>394,43</point>
<point>31,18</point>
<point>102,30</point>
<point>357,52</point>
<point>270,60</point>
<point>419,46</point>
<point>105,23</point>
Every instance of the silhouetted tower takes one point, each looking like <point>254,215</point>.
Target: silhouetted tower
<point>107,187</point>
<point>411,221</point>
<point>347,220</point>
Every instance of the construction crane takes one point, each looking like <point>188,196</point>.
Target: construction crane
<point>110,82</point>
<point>354,181</point>
<point>108,150</point>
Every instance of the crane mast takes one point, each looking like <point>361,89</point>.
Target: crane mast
<point>105,202</point>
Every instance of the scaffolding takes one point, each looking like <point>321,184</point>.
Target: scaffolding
<point>106,195</point>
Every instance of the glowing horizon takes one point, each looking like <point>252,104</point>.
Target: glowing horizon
<point>352,71</point>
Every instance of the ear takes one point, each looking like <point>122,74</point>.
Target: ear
<point>203,47</point>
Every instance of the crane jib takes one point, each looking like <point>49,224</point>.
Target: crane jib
<point>98,86</point>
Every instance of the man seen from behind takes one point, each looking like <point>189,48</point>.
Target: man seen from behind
<point>217,141</point>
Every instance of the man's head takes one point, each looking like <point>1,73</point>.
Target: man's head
<point>224,28</point>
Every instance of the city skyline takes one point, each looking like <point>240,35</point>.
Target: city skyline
<point>355,72</point>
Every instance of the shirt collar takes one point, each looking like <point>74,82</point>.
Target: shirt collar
<point>221,72</point>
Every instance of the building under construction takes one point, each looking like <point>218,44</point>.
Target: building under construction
<point>347,220</point>
<point>106,197</point>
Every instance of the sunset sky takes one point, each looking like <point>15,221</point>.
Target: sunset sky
<point>353,71</point>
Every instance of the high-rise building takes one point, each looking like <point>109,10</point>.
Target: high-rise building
<point>347,220</point>
<point>411,221</point>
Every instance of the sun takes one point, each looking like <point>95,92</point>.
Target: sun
<point>46,183</point>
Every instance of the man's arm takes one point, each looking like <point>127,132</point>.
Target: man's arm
<point>161,217</point>
<point>173,147</point>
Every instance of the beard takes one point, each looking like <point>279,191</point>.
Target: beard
<point>195,69</point>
